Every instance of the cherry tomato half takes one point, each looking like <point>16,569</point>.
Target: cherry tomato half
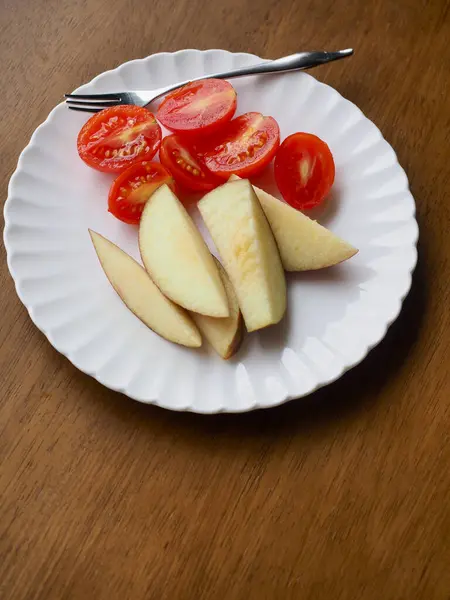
<point>131,190</point>
<point>200,107</point>
<point>116,137</point>
<point>304,170</point>
<point>244,147</point>
<point>178,156</point>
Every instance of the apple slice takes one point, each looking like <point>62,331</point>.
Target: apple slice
<point>304,244</point>
<point>224,335</point>
<point>177,258</point>
<point>143,297</point>
<point>249,253</point>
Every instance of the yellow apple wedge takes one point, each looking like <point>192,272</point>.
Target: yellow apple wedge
<point>224,335</point>
<point>177,258</point>
<point>241,233</point>
<point>143,297</point>
<point>304,244</point>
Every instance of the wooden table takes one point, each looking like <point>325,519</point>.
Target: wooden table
<point>342,496</point>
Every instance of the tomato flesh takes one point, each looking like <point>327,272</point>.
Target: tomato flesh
<point>200,107</point>
<point>244,147</point>
<point>304,170</point>
<point>179,157</point>
<point>131,190</point>
<point>117,137</point>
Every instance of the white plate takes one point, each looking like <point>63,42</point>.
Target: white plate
<point>334,316</point>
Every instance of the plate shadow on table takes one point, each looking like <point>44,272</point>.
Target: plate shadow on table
<point>355,391</point>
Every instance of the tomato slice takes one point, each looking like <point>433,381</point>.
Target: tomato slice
<point>131,190</point>
<point>179,157</point>
<point>304,170</point>
<point>200,107</point>
<point>116,137</point>
<point>244,147</point>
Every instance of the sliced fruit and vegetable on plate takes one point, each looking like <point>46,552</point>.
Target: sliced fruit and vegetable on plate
<point>203,206</point>
<point>182,291</point>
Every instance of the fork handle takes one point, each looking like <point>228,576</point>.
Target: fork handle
<point>294,62</point>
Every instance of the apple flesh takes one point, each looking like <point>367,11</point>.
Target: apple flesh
<point>224,335</point>
<point>177,258</point>
<point>241,233</point>
<point>304,244</point>
<point>143,297</point>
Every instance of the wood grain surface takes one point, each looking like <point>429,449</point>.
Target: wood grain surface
<point>343,496</point>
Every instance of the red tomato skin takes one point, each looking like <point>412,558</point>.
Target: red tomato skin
<point>198,108</point>
<point>176,154</point>
<point>93,152</point>
<point>131,212</point>
<point>244,147</point>
<point>304,170</point>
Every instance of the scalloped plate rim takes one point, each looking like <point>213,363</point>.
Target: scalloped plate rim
<point>159,401</point>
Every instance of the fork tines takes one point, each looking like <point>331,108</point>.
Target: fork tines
<point>92,102</point>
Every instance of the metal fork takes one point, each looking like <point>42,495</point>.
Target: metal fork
<point>294,62</point>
